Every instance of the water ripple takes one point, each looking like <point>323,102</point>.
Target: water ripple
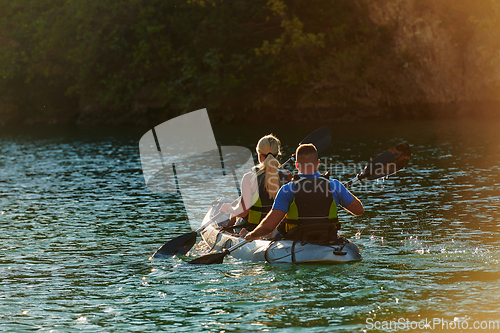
<point>79,228</point>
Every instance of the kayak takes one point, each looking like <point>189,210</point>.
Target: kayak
<point>276,250</point>
<point>340,250</point>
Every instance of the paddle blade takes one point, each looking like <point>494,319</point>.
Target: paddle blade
<point>209,259</point>
<point>179,245</point>
<point>321,139</point>
<point>388,162</point>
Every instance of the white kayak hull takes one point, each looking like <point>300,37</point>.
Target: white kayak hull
<point>276,251</point>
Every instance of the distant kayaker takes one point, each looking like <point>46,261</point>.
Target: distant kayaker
<point>309,203</point>
<point>260,186</point>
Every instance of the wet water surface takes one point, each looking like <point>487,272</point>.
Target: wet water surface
<point>79,225</point>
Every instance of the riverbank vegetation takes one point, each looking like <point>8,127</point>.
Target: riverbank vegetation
<point>138,61</point>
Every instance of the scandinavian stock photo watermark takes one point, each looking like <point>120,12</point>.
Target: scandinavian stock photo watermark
<point>437,324</point>
<point>344,172</point>
<point>181,156</point>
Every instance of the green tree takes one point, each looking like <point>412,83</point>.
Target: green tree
<point>63,56</point>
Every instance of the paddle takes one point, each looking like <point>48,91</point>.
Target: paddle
<point>216,258</point>
<point>385,164</point>
<point>183,243</point>
<point>321,138</point>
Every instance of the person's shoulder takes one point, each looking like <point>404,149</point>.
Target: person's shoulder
<point>253,170</point>
<point>288,187</point>
<point>336,185</point>
<point>286,193</point>
<point>248,175</point>
<point>249,178</point>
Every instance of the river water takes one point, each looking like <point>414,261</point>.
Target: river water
<point>79,226</point>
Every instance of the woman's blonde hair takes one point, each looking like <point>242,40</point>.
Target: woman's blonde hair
<point>270,146</point>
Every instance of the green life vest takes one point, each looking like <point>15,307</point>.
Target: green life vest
<point>262,202</point>
<point>313,203</point>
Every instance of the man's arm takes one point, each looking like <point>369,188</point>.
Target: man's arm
<point>268,224</point>
<point>355,207</point>
<point>346,199</point>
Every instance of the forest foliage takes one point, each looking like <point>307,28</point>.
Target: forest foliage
<point>181,55</point>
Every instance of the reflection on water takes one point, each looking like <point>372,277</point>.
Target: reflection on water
<point>79,226</point>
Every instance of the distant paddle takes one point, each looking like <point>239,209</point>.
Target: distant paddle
<point>180,245</point>
<point>320,138</point>
<point>385,164</point>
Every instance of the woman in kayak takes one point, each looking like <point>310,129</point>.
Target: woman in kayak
<point>260,186</point>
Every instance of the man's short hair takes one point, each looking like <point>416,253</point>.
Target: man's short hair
<point>306,153</point>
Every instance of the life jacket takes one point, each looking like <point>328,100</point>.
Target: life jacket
<point>313,203</point>
<point>262,201</point>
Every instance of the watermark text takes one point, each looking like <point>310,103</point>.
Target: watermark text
<point>438,324</point>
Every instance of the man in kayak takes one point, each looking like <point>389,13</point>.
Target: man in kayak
<point>309,202</point>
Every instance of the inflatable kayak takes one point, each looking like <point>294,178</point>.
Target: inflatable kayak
<point>276,250</point>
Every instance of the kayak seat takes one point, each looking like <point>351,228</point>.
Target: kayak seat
<point>317,233</point>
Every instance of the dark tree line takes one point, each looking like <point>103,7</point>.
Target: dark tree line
<point>72,56</point>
